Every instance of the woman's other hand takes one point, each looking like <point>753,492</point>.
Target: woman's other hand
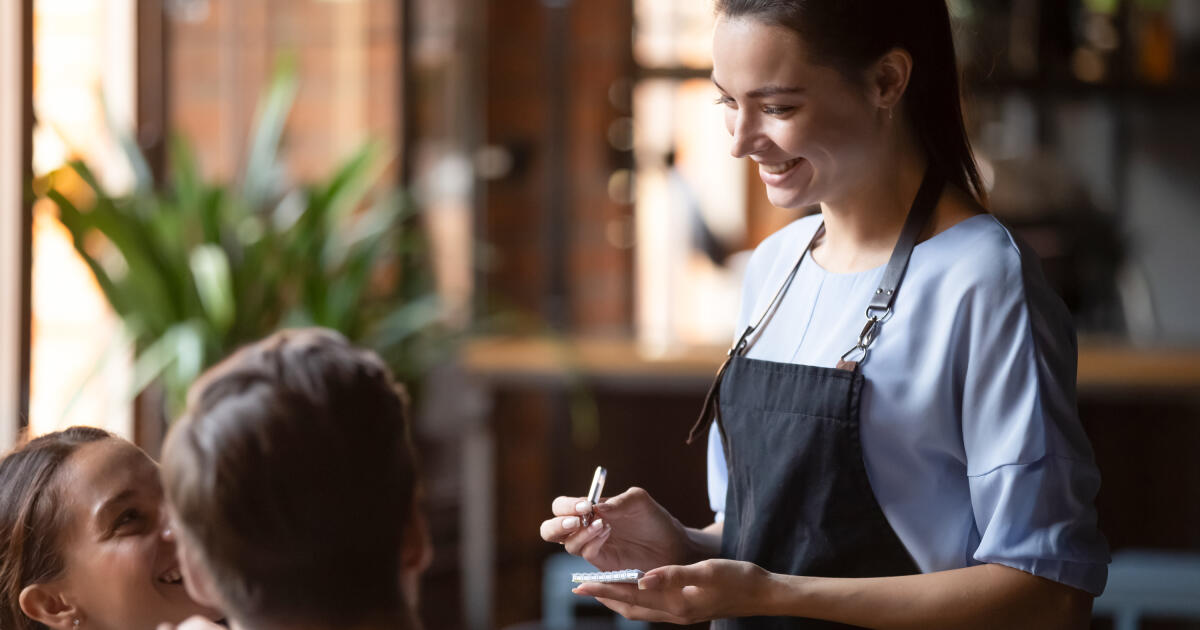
<point>712,589</point>
<point>628,531</point>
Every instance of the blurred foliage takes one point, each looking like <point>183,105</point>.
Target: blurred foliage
<point>196,269</point>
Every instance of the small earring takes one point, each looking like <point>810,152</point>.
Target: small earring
<point>76,622</point>
<point>891,114</point>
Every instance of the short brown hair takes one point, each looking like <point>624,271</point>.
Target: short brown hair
<point>31,518</point>
<point>293,472</point>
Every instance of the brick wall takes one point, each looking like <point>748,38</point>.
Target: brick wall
<point>349,64</point>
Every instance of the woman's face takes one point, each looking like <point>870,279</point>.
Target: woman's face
<point>120,569</point>
<point>810,130</point>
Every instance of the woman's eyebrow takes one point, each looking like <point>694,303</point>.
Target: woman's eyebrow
<point>113,501</point>
<point>766,90</point>
<point>774,90</point>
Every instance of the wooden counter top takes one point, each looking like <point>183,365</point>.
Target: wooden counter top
<point>1102,365</point>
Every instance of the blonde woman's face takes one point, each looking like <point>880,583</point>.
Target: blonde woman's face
<point>811,132</point>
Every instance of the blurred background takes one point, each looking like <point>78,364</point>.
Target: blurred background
<point>528,207</point>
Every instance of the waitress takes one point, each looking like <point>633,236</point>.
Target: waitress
<point>893,442</point>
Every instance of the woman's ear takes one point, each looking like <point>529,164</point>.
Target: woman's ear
<point>46,605</point>
<point>888,78</point>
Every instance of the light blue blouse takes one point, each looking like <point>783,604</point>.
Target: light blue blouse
<point>970,433</point>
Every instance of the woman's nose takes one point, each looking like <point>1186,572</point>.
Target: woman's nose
<point>745,135</point>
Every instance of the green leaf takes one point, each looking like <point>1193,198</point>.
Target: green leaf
<point>261,176</point>
<point>408,320</point>
<point>78,225</point>
<point>214,283</point>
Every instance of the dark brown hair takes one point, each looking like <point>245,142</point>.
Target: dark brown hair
<point>31,518</point>
<point>849,35</point>
<point>293,473</point>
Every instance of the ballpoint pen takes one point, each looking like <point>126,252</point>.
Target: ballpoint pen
<point>594,492</point>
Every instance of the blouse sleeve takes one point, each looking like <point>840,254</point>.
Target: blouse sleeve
<point>718,474</point>
<point>1030,467</point>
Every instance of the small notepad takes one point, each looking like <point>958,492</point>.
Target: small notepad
<point>626,576</point>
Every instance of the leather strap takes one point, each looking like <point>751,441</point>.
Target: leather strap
<point>922,207</point>
<point>918,216</point>
<point>881,302</point>
<point>712,408</point>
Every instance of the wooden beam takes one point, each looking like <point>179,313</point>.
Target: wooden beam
<point>16,117</point>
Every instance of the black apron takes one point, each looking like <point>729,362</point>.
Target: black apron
<point>799,501</point>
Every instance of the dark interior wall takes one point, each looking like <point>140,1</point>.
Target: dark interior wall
<point>515,117</point>
<point>544,452</point>
<point>555,233</point>
<point>1150,477</point>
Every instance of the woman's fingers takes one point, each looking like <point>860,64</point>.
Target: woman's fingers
<point>560,528</point>
<point>621,592</point>
<point>570,506</point>
<point>675,576</point>
<point>191,623</point>
<point>569,531</point>
<point>588,540</point>
<point>639,613</point>
<point>627,601</point>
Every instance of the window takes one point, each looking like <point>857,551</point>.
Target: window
<point>83,73</point>
<point>696,205</point>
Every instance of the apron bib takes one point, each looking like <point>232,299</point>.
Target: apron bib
<point>799,501</point>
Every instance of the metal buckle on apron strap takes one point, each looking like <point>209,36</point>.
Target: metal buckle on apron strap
<point>865,338</point>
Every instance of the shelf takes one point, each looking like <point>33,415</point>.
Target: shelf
<point>1103,366</point>
<point>1181,93</point>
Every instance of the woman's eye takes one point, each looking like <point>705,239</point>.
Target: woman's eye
<point>127,519</point>
<point>778,110</point>
<point>724,100</point>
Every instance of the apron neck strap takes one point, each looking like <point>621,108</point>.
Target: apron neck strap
<point>712,407</point>
<point>918,217</point>
<point>919,213</point>
<point>881,302</point>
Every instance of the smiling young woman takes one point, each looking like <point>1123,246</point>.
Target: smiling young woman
<point>893,441</point>
<point>82,540</point>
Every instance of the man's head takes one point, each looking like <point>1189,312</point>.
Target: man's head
<point>292,482</point>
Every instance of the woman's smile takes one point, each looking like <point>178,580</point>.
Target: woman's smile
<point>778,168</point>
<point>777,175</point>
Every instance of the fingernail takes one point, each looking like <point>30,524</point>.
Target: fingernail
<point>571,522</point>
<point>583,506</point>
<point>647,583</point>
<point>597,524</point>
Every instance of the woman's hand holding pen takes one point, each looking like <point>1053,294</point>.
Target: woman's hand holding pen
<point>628,531</point>
<point>712,589</point>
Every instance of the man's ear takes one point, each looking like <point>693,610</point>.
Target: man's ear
<point>889,76</point>
<point>46,605</point>
<point>417,554</point>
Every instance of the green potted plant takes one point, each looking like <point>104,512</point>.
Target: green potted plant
<point>195,269</point>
